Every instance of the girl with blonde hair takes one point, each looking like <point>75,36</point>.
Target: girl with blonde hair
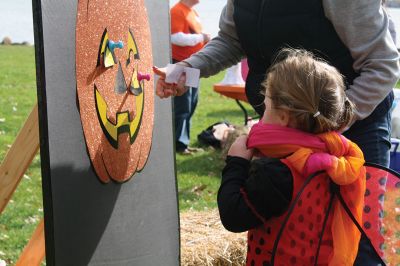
<point>290,212</point>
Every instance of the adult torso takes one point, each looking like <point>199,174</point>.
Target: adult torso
<point>266,26</point>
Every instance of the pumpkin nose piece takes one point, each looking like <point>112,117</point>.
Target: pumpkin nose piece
<point>112,45</point>
<point>120,85</point>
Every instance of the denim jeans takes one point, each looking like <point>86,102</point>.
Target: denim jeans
<point>373,137</point>
<point>184,107</point>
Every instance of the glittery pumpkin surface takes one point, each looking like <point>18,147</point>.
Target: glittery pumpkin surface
<point>118,19</point>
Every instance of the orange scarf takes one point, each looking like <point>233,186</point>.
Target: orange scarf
<point>339,157</point>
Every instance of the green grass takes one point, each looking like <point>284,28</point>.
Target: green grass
<point>17,97</point>
<point>198,175</point>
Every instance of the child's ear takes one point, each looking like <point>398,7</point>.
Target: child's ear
<point>284,118</point>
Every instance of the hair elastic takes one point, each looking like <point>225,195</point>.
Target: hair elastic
<point>316,114</point>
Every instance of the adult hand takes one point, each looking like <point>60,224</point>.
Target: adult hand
<point>239,148</point>
<point>164,89</point>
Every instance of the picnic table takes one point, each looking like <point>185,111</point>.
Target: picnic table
<point>236,92</point>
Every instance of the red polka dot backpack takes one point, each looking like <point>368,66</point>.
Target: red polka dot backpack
<point>380,219</point>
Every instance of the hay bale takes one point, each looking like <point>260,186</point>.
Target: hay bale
<point>204,241</point>
<point>6,41</point>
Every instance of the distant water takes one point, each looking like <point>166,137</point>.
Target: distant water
<point>16,18</point>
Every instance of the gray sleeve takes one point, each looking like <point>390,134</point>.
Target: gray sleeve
<point>392,29</point>
<point>362,25</point>
<point>222,51</point>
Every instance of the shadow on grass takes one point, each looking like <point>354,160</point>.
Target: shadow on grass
<point>231,112</point>
<point>188,194</point>
<point>207,163</point>
<point>198,197</point>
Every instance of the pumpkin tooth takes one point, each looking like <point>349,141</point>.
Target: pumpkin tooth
<point>123,122</point>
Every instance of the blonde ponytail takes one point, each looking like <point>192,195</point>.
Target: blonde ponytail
<point>305,86</point>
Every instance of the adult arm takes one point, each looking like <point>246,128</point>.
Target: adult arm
<point>362,25</point>
<point>222,51</point>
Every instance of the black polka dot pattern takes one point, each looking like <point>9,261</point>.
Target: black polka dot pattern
<point>299,238</point>
<point>299,203</point>
<point>258,251</point>
<point>368,176</point>
<point>381,197</point>
<point>311,226</point>
<point>367,225</point>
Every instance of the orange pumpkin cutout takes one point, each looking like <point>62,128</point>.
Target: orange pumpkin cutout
<point>115,92</point>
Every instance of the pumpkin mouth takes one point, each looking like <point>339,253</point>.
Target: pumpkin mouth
<point>124,123</point>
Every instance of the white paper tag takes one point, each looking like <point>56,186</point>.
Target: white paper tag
<point>192,77</point>
<point>174,72</point>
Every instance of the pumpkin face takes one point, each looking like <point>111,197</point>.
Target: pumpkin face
<point>114,86</point>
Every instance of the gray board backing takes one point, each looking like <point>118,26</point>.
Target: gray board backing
<point>87,222</point>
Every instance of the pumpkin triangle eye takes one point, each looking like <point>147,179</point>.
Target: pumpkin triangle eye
<point>105,56</point>
<point>109,58</point>
<point>136,86</point>
<point>132,48</point>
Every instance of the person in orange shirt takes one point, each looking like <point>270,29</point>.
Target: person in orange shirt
<point>187,38</point>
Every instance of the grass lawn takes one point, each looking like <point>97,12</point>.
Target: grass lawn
<point>17,97</point>
<point>198,175</point>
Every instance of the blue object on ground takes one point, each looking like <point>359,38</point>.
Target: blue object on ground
<point>395,155</point>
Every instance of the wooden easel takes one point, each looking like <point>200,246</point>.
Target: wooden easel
<point>12,169</point>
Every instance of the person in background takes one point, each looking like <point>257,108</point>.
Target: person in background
<point>187,38</point>
<point>351,35</point>
<point>305,109</point>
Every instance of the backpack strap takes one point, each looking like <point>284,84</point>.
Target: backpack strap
<point>289,213</point>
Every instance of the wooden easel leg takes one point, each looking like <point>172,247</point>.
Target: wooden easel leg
<point>34,252</point>
<point>19,157</point>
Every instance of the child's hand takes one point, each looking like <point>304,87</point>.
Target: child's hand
<point>239,148</point>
